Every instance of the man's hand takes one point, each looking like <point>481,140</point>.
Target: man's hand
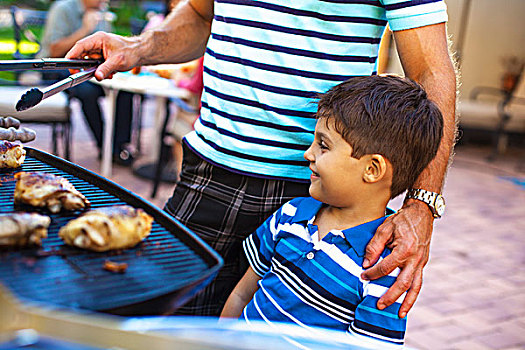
<point>408,234</point>
<point>182,37</point>
<point>120,53</point>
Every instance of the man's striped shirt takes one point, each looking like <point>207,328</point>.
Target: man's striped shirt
<point>316,283</point>
<point>267,60</point>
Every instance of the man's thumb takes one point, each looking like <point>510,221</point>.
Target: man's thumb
<point>104,70</point>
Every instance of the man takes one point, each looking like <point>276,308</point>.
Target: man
<point>265,62</point>
<point>67,22</point>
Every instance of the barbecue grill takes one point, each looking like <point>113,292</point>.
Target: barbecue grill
<point>163,272</point>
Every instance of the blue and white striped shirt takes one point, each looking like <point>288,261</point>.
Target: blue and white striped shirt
<point>316,283</point>
<point>267,60</point>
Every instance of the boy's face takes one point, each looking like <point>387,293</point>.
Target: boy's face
<point>336,176</point>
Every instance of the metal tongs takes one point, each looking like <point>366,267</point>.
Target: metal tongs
<point>10,130</point>
<point>34,96</point>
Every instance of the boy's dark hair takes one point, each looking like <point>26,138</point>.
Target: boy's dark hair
<point>387,115</point>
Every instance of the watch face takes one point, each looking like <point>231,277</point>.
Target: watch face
<point>440,205</point>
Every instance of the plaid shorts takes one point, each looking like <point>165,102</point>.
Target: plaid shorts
<point>223,208</point>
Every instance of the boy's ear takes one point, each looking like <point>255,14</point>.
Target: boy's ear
<point>376,168</point>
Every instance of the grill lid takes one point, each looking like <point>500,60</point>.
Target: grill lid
<point>166,269</point>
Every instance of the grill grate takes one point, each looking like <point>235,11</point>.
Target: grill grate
<point>170,264</point>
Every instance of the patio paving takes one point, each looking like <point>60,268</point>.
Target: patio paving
<point>474,291</point>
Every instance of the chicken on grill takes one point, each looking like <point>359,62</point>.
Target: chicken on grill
<point>11,154</point>
<point>48,191</point>
<point>23,229</point>
<point>109,228</point>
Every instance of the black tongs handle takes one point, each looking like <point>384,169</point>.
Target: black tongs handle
<point>47,64</point>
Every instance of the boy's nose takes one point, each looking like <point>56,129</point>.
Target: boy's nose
<point>308,154</point>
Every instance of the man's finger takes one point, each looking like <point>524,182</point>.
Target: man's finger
<point>76,51</point>
<point>401,285</point>
<point>81,49</point>
<point>412,294</point>
<point>387,265</point>
<point>377,244</point>
<point>88,46</point>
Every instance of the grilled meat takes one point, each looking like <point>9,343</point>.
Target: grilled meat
<point>109,228</point>
<point>22,229</point>
<point>48,191</point>
<point>116,267</point>
<point>11,155</point>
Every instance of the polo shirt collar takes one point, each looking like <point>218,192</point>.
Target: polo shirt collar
<point>358,236</point>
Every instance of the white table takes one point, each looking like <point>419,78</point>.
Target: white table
<point>146,84</point>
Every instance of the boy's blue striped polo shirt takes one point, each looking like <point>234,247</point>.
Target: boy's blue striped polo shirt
<point>316,283</point>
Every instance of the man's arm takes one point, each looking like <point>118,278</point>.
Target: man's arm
<point>425,59</point>
<point>180,38</point>
<point>241,295</point>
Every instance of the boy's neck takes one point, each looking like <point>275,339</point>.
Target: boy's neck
<point>335,218</point>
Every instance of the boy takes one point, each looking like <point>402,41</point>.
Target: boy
<point>374,135</point>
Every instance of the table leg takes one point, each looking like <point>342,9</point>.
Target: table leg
<point>160,114</point>
<point>136,122</point>
<point>148,170</point>
<point>107,137</point>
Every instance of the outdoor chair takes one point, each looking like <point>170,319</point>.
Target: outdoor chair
<point>54,111</point>
<point>500,111</point>
<point>24,21</point>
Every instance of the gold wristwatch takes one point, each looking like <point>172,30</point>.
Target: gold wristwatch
<point>434,200</point>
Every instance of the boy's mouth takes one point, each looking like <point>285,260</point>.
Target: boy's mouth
<point>314,173</point>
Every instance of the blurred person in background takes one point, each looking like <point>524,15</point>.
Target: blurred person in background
<point>67,22</point>
<point>264,65</point>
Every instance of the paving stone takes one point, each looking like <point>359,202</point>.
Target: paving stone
<point>471,301</point>
<point>513,328</point>
<point>422,340</point>
<point>467,344</point>
<point>501,339</point>
<point>425,316</point>
<point>448,332</point>
<point>495,313</point>
<point>472,322</point>
<point>446,307</point>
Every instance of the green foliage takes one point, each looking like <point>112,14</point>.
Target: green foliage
<point>125,11</point>
<point>10,76</point>
<point>6,75</point>
<point>34,4</point>
<point>6,33</point>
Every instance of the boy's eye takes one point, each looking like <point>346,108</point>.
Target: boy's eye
<point>322,145</point>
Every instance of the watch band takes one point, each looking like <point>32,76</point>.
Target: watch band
<point>434,200</point>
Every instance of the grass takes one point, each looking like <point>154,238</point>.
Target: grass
<point>7,48</point>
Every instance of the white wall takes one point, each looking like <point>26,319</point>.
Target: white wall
<point>495,28</point>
